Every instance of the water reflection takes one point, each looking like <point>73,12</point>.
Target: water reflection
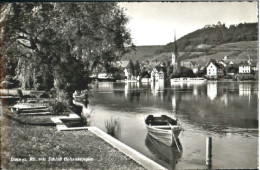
<point>157,88</point>
<point>169,155</point>
<point>129,86</point>
<point>244,89</point>
<point>226,110</point>
<point>212,90</point>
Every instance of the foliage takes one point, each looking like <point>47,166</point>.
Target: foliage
<point>145,74</point>
<point>137,68</point>
<point>246,77</point>
<point>62,42</point>
<point>131,67</point>
<point>185,72</point>
<point>58,107</point>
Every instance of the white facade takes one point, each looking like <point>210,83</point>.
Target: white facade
<point>127,74</point>
<point>214,71</point>
<point>211,70</point>
<point>195,70</point>
<point>244,69</point>
<point>173,59</point>
<point>157,76</point>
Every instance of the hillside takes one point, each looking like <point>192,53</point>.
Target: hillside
<point>236,42</point>
<point>143,52</point>
<point>237,52</point>
<point>215,35</point>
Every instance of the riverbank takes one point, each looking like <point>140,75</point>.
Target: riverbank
<point>26,145</point>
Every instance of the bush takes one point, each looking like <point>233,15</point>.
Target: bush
<point>245,77</point>
<point>58,107</point>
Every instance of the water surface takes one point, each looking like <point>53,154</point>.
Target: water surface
<point>226,111</point>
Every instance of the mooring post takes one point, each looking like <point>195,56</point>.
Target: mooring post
<point>209,152</point>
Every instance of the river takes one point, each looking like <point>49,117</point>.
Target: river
<point>226,111</point>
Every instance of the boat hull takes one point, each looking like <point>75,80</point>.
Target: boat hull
<point>165,134</point>
<point>193,80</point>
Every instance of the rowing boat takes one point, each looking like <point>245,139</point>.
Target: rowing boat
<point>163,128</point>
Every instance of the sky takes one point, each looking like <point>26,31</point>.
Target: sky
<point>154,23</point>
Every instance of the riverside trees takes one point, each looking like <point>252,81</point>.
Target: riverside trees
<point>61,42</point>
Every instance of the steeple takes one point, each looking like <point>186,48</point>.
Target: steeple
<point>175,57</point>
<point>175,44</point>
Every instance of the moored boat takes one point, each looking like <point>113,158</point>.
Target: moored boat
<point>105,77</point>
<point>188,79</point>
<point>163,128</point>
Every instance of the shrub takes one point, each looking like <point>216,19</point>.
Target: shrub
<point>58,107</point>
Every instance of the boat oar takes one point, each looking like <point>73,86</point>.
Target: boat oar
<point>175,140</point>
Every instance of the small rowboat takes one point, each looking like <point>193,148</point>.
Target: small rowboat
<point>163,128</point>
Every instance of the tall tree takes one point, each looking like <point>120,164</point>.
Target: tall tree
<point>137,68</point>
<point>62,42</point>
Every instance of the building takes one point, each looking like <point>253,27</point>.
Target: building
<point>154,75</point>
<point>214,70</point>
<point>157,75</point>
<point>194,66</point>
<point>244,69</point>
<point>254,66</point>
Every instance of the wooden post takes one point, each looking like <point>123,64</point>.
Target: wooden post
<point>209,151</point>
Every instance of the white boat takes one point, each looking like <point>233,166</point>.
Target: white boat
<point>105,77</point>
<point>188,79</point>
<point>163,128</point>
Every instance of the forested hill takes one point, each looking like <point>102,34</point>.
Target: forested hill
<point>205,40</point>
<point>215,35</point>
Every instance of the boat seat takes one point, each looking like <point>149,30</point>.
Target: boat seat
<point>161,126</point>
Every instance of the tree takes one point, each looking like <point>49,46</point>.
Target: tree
<point>131,67</point>
<point>62,42</point>
<point>137,68</point>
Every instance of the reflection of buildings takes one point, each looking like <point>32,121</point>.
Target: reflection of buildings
<point>174,104</point>
<point>244,89</point>
<point>212,90</point>
<point>105,86</point>
<point>177,84</point>
<point>157,87</point>
<point>176,100</point>
<point>224,99</point>
<point>195,91</point>
<point>131,85</point>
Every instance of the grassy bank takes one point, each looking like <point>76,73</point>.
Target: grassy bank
<point>47,148</point>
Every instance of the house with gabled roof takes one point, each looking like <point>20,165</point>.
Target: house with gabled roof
<point>214,69</point>
<point>157,75</point>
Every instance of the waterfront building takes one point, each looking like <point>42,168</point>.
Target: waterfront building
<point>244,69</point>
<point>214,70</point>
<point>127,74</point>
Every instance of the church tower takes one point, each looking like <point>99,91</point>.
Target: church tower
<point>175,58</point>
